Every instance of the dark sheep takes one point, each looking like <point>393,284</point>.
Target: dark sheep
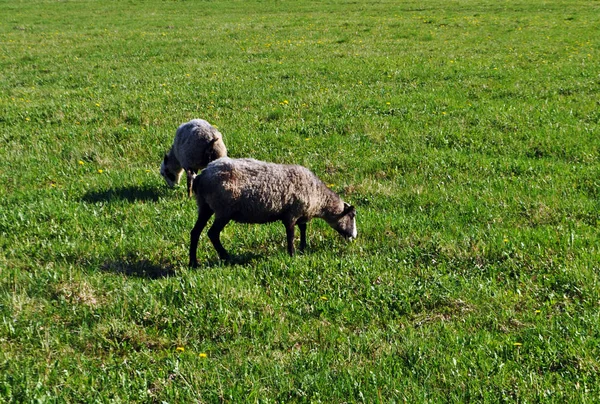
<point>252,191</point>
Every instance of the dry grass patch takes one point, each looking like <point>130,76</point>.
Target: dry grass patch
<point>78,293</point>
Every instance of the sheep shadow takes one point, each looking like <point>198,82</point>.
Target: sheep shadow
<point>140,268</point>
<point>129,193</point>
<point>237,259</point>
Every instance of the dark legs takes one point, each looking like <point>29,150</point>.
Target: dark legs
<point>302,227</point>
<point>204,213</point>
<point>214,233</point>
<point>289,231</point>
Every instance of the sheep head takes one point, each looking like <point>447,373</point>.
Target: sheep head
<point>170,170</point>
<point>345,222</point>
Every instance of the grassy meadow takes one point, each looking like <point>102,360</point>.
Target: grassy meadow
<point>465,132</point>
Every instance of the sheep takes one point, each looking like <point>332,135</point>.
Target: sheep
<point>252,191</point>
<point>196,144</point>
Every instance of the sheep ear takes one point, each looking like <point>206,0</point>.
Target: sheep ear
<point>348,209</point>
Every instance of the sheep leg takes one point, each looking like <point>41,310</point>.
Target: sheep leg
<point>214,235</point>
<point>204,214</point>
<point>302,227</point>
<point>190,179</point>
<point>289,231</point>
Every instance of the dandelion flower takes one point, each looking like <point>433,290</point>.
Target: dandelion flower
<point>180,349</point>
<point>324,298</point>
<point>80,162</point>
<point>100,171</point>
<point>202,355</point>
<point>517,344</point>
<point>97,104</point>
<point>27,119</point>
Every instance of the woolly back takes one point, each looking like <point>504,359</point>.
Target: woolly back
<point>261,190</point>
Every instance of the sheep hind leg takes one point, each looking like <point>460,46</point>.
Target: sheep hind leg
<point>214,235</point>
<point>289,231</point>
<point>191,174</point>
<point>302,227</point>
<point>204,213</point>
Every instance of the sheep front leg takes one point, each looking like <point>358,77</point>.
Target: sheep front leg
<point>214,234</point>
<point>289,231</point>
<point>302,227</point>
<point>204,214</point>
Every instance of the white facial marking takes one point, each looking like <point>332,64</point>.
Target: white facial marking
<point>354,233</point>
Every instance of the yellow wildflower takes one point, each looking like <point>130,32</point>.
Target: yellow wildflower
<point>202,355</point>
<point>180,349</point>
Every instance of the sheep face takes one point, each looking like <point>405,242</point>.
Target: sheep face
<point>170,172</point>
<point>345,223</point>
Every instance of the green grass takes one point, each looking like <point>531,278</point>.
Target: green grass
<point>466,133</point>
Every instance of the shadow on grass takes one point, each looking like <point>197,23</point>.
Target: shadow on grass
<point>130,193</point>
<point>143,268</point>
<point>140,268</point>
<point>238,259</point>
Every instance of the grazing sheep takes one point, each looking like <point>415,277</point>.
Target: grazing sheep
<point>196,144</point>
<point>252,191</point>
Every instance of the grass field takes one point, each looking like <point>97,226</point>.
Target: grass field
<point>465,132</point>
